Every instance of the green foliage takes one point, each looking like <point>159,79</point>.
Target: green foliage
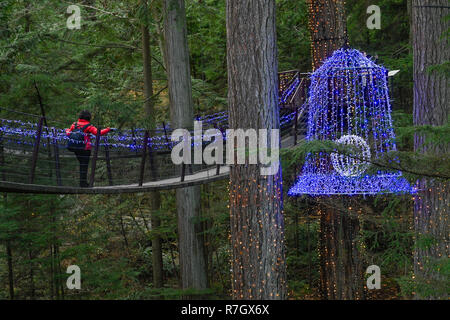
<point>389,240</point>
<point>293,35</point>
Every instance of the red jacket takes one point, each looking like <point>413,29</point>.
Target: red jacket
<point>91,129</point>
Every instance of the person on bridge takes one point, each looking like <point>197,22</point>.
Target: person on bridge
<point>83,149</point>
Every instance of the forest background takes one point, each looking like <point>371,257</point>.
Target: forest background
<point>99,67</point>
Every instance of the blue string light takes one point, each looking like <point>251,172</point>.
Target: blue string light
<point>349,97</point>
<point>23,133</point>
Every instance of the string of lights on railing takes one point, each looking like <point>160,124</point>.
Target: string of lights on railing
<point>123,139</point>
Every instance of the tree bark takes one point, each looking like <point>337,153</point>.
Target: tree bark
<point>341,268</point>
<point>431,107</point>
<point>327,24</point>
<point>340,262</point>
<point>192,258</point>
<point>155,198</point>
<point>257,222</point>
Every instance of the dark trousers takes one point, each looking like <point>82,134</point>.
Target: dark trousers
<point>83,157</point>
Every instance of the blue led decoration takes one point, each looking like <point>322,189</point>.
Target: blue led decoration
<point>349,104</point>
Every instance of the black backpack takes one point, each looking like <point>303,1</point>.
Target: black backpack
<point>76,138</point>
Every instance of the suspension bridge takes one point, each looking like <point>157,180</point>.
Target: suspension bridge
<point>34,157</point>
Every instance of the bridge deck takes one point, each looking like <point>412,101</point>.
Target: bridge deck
<point>201,177</point>
<point>198,178</point>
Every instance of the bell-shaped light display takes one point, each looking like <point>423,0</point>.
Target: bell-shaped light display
<point>349,104</point>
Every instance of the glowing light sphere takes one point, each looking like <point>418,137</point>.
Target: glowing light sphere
<point>352,165</point>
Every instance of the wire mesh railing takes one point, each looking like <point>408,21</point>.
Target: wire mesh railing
<point>35,152</point>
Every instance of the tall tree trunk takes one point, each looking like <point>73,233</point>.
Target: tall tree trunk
<point>257,222</point>
<point>341,268</point>
<point>155,198</point>
<point>431,107</point>
<point>327,24</point>
<point>409,9</point>
<point>340,263</point>
<point>148,79</point>
<point>192,258</point>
